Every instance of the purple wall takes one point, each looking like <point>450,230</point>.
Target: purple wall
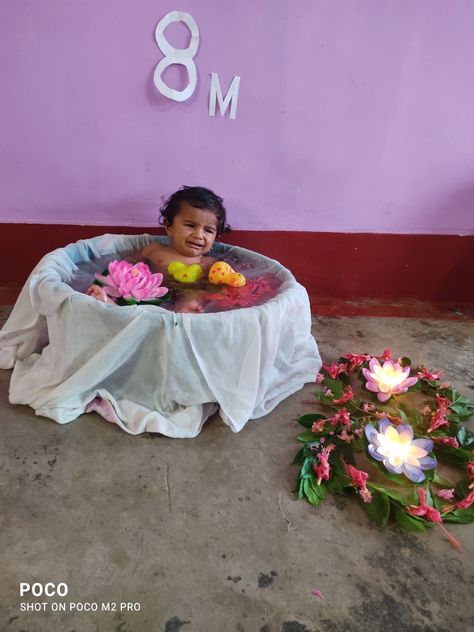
<point>353,115</point>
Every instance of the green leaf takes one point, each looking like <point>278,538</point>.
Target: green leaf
<point>379,509</point>
<point>335,485</point>
<point>308,420</point>
<point>439,480</point>
<point>386,490</point>
<point>336,386</point>
<point>299,457</point>
<point>408,522</point>
<point>460,516</point>
<point>307,436</point>
<point>456,455</point>
<point>402,415</point>
<point>301,488</point>
<point>310,493</point>
<point>307,468</point>
<point>465,438</point>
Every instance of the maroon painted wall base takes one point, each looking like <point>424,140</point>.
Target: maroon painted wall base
<point>432,268</point>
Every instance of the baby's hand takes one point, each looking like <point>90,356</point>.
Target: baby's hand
<point>99,293</point>
<point>190,307</point>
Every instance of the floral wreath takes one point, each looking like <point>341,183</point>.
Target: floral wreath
<point>387,447</point>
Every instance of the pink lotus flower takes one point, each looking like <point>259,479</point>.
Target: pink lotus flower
<point>132,282</point>
<point>387,379</point>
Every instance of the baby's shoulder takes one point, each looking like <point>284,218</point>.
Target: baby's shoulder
<point>155,248</point>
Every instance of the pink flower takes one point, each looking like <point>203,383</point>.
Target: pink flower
<point>341,417</point>
<point>443,402</point>
<point>323,469</point>
<point>366,407</point>
<point>445,385</point>
<point>438,419</point>
<point>359,480</point>
<point>423,373</point>
<point>424,510</point>
<point>319,378</point>
<point>358,477</point>
<point>318,426</point>
<point>466,502</point>
<point>335,369</point>
<point>470,467</point>
<point>132,281</point>
<point>451,441</point>
<point>346,397</point>
<point>430,513</point>
<point>426,410</point>
<point>356,360</point>
<point>445,494</point>
<point>387,379</point>
<point>345,436</point>
<point>366,495</point>
<point>387,354</point>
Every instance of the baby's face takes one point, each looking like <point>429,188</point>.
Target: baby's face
<point>193,231</point>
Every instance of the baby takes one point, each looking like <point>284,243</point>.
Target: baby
<point>192,217</point>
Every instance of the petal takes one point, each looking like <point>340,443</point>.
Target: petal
<point>372,386</point>
<point>413,473</point>
<point>412,460</point>
<point>374,365</point>
<point>391,434</point>
<point>416,452</point>
<point>425,444</point>
<point>371,434</point>
<point>395,461</point>
<point>405,433</point>
<point>383,397</point>
<point>384,423</point>
<point>428,463</point>
<point>392,468</point>
<point>374,454</point>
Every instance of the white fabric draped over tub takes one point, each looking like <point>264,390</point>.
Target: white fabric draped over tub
<point>161,371</point>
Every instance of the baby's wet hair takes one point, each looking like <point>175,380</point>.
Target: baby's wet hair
<point>199,197</point>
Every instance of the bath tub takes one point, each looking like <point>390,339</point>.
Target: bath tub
<point>157,370</point>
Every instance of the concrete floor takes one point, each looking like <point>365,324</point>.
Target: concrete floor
<point>206,535</point>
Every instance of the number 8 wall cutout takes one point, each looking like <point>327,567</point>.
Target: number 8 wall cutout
<point>185,57</point>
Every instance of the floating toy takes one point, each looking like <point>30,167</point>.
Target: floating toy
<point>183,273</point>
<point>221,273</point>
